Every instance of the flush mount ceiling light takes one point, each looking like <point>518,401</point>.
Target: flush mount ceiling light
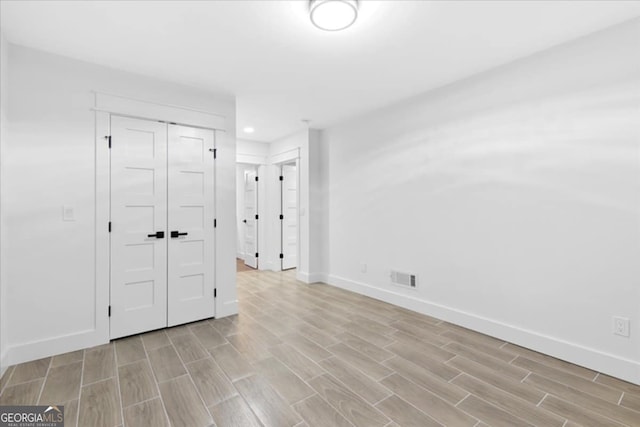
<point>248,129</point>
<point>333,15</point>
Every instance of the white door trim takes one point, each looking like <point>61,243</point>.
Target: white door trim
<point>138,109</point>
<point>144,110</point>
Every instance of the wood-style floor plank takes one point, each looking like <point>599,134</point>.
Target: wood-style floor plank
<point>22,394</point>
<point>99,364</point>
<point>183,404</point>
<point>599,390</point>
<point>208,336</point>
<point>404,414</point>
<point>234,412</point>
<point>129,350</point>
<point>100,405</point>
<point>317,413</point>
<point>602,407</point>
<point>508,402</point>
<point>576,413</point>
<point>350,405</point>
<point>449,392</point>
<point>62,384</point>
<point>189,348</point>
<point>211,382</point>
<point>150,413</point>
<point>427,402</point>
<point>283,380</point>
<point>30,371</point>
<point>136,383</point>
<point>356,381</point>
<point>165,363</point>
<point>67,358</point>
<point>231,362</point>
<point>304,367</point>
<point>490,414</point>
<point>266,403</point>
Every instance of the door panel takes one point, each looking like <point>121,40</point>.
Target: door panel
<point>191,280</point>
<point>138,209</point>
<point>290,221</point>
<point>250,221</point>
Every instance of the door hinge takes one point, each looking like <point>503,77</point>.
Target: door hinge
<point>256,179</point>
<point>214,151</point>
<point>108,138</point>
<point>109,311</point>
<point>281,178</point>
<point>281,217</point>
<point>256,254</point>
<point>215,292</point>
<point>281,256</point>
<point>256,216</point>
<point>215,223</point>
<point>109,226</point>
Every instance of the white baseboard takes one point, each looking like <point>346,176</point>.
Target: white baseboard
<point>228,308</point>
<point>240,255</point>
<point>312,277</point>
<point>305,277</point>
<point>597,360</point>
<point>4,363</point>
<point>51,346</point>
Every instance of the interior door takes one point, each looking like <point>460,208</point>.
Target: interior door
<point>250,219</point>
<point>138,226</point>
<point>191,261</point>
<point>290,217</point>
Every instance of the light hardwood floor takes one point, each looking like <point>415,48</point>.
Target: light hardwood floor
<point>314,355</point>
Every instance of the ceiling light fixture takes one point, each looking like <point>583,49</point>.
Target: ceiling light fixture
<point>333,15</point>
<point>248,129</point>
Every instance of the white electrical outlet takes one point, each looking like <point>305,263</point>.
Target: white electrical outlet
<point>363,267</point>
<point>68,213</point>
<point>621,326</point>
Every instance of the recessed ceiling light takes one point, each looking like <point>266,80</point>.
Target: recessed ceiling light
<point>248,129</point>
<point>333,15</point>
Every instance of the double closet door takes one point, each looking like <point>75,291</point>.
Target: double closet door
<point>162,225</point>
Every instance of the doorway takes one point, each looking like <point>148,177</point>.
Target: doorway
<point>161,225</point>
<point>288,216</point>
<point>247,215</point>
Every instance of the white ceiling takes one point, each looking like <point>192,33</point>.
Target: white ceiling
<point>283,69</point>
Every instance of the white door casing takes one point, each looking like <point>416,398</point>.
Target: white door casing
<point>250,218</point>
<point>191,215</point>
<point>138,210</point>
<point>290,217</point>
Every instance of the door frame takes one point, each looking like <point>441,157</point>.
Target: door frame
<point>105,106</point>
<point>282,202</point>
<point>289,157</point>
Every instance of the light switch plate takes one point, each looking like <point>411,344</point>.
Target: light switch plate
<point>68,213</point>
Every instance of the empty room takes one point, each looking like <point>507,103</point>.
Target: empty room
<point>318,213</point>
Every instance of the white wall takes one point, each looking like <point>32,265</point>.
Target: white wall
<point>514,195</point>
<point>4,87</point>
<point>50,279</point>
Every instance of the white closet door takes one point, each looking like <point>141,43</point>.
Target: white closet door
<point>191,281</point>
<point>138,212</point>
<point>250,220</point>
<point>290,213</point>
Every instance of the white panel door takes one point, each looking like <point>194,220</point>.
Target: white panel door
<point>250,221</point>
<point>191,261</point>
<point>290,214</point>
<point>138,226</point>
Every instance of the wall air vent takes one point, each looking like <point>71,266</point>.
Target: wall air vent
<point>404,279</point>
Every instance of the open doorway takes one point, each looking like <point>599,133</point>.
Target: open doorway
<point>288,216</point>
<point>247,216</point>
